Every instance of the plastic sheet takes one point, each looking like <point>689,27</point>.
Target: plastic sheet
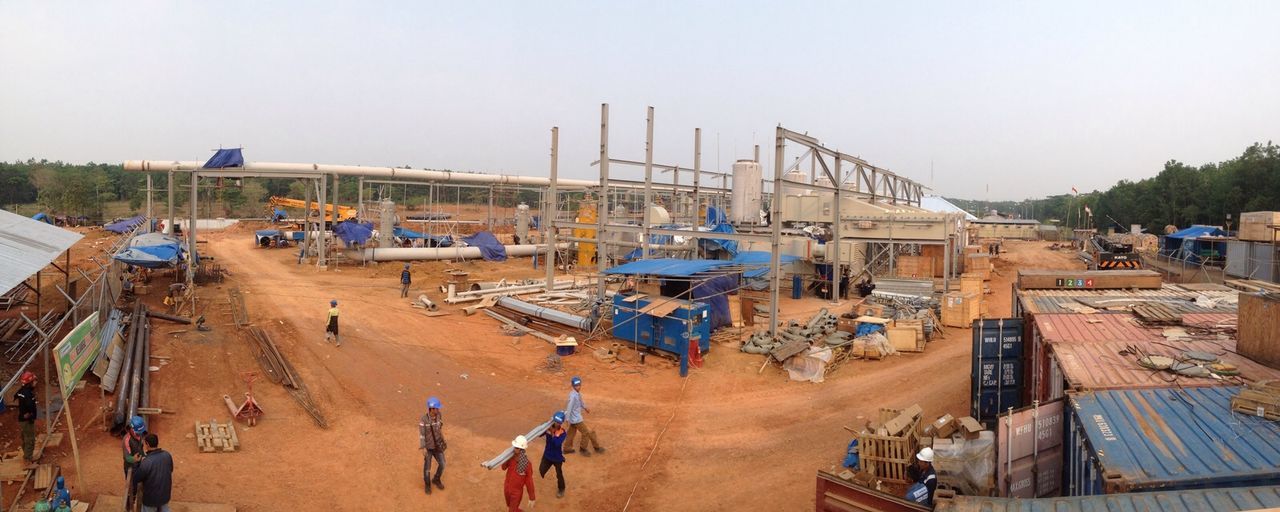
<point>810,366</point>
<point>967,465</point>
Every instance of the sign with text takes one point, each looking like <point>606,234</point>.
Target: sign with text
<point>76,353</point>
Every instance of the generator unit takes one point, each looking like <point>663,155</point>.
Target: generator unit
<point>685,321</point>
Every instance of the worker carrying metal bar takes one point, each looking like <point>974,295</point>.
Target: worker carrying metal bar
<point>519,476</point>
<point>405,279</point>
<point>331,329</point>
<point>26,397</point>
<point>573,411</point>
<point>553,454</point>
<point>431,442</point>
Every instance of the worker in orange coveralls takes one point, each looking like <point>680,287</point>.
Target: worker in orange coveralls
<point>519,476</point>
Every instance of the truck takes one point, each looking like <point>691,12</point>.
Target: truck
<point>1104,254</point>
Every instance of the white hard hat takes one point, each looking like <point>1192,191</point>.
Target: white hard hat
<point>523,444</point>
<point>926,454</point>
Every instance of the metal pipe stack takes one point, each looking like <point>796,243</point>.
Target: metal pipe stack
<point>133,387</point>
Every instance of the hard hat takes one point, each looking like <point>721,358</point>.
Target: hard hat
<point>433,403</point>
<point>558,417</point>
<point>926,454</point>
<point>138,424</point>
<point>333,303</point>
<point>520,442</point>
<point>61,482</point>
<point>28,377</point>
<point>406,266</point>
<point>575,380</point>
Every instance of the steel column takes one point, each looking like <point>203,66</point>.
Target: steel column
<point>602,253</point>
<point>775,224</point>
<point>549,215</point>
<point>648,185</point>
<point>697,178</point>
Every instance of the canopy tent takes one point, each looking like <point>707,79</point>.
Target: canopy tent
<point>126,225</point>
<point>432,240</point>
<point>490,248</point>
<point>1195,244</point>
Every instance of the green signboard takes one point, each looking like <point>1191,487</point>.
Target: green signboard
<point>76,353</point>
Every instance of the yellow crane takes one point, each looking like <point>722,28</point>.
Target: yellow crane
<point>344,212</point>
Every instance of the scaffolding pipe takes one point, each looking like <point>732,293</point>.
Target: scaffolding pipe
<point>360,170</point>
<point>442,253</point>
<point>548,314</point>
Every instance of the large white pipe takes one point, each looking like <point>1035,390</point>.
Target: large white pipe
<point>359,170</point>
<point>442,253</point>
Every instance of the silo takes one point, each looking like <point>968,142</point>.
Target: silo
<point>747,193</point>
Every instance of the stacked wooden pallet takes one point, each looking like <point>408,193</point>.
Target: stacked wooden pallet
<point>1261,399</point>
<point>214,436</point>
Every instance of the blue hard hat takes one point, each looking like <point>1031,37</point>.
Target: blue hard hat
<point>575,380</point>
<point>433,403</point>
<point>138,424</point>
<point>333,303</point>
<point>61,482</point>
<point>558,417</point>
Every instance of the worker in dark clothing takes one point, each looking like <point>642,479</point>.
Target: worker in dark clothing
<point>155,474</point>
<point>431,442</point>
<point>866,287</point>
<point>553,454</point>
<point>133,451</point>
<point>405,278</point>
<point>331,328</point>
<point>926,479</point>
<point>844,283</point>
<point>26,396</point>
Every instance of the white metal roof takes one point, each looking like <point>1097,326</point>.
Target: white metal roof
<point>941,205</point>
<point>27,246</point>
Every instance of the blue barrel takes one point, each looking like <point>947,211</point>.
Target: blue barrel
<point>796,286</point>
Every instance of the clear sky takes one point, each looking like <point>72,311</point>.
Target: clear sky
<point>1027,98</point>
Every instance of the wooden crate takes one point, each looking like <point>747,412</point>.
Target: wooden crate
<point>887,457</point>
<point>917,267</point>
<point>971,283</point>
<point>1257,403</point>
<point>1253,226</point>
<point>903,339</point>
<point>912,323</point>
<point>960,309</point>
<point>978,264</point>
<point>1259,328</point>
<point>937,254</point>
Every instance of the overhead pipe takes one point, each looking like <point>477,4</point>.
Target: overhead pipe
<point>359,170</point>
<point>440,253</point>
<point>553,315</point>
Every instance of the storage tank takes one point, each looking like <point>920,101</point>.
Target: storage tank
<point>747,193</point>
<point>386,223</point>
<point>797,176</point>
<point>522,223</point>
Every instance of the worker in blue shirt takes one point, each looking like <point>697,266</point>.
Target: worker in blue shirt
<point>926,479</point>
<point>553,455</point>
<point>405,278</point>
<point>573,412</point>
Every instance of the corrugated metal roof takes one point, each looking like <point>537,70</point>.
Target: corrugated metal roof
<point>1152,438</point>
<point>942,205</point>
<point>1223,500</point>
<point>1095,366</point>
<point>1037,304</point>
<point>1211,319</point>
<point>27,245</point>
<point>1060,328</point>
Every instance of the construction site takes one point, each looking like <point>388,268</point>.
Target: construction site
<point>794,341</point>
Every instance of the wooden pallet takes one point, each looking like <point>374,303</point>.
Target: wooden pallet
<point>887,457</point>
<point>44,477</point>
<point>1258,403</point>
<point>1156,313</point>
<point>214,437</point>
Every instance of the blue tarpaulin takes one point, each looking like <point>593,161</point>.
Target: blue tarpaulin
<point>1194,244</point>
<point>225,158</point>
<point>353,232</point>
<point>432,240</point>
<point>719,244</point>
<point>758,258</point>
<point>715,216</point>
<point>42,217</point>
<point>278,214</point>
<point>124,226</point>
<point>151,250</point>
<point>490,248</point>
<point>267,232</point>
<point>714,292</point>
<point>667,267</point>
<point>654,240</point>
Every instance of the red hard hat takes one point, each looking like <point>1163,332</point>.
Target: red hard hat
<point>28,377</point>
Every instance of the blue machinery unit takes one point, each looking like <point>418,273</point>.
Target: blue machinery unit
<point>689,320</point>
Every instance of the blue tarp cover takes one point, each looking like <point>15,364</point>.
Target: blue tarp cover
<point>1197,231</point>
<point>715,217</point>
<point>124,226</point>
<point>153,256</point>
<point>225,158</point>
<point>718,244</point>
<point>42,217</point>
<point>490,248</point>
<point>353,232</point>
<point>714,293</point>
<point>754,258</point>
<point>436,241</point>
<point>266,232</point>
<point>669,267</point>
<point>154,239</point>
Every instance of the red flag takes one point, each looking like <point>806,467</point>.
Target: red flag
<point>1074,191</point>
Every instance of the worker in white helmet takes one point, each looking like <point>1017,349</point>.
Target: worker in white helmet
<point>519,476</point>
<point>925,478</point>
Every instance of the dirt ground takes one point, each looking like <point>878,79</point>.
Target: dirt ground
<point>726,438</point>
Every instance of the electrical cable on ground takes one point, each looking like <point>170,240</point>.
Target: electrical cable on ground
<point>674,410</point>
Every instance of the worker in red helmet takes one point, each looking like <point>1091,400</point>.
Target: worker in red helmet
<point>26,397</point>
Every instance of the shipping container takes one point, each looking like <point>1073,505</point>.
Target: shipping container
<point>1166,439</point>
<point>1199,500</point>
<point>997,367</point>
<point>1099,366</point>
<point>1043,383</point>
<point>1029,451</point>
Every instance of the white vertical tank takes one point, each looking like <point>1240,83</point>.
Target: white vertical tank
<point>386,223</point>
<point>797,176</point>
<point>522,223</point>
<point>747,193</point>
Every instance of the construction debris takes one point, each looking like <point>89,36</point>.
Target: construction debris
<point>280,371</point>
<point>1261,399</point>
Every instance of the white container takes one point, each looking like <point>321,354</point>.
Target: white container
<point>747,193</point>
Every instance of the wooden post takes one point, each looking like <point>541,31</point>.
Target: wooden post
<point>71,431</point>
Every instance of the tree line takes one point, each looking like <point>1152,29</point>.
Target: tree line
<point>1180,195</point>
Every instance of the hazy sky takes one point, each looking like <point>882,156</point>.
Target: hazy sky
<point>1028,98</point>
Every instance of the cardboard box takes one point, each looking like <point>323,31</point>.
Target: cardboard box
<point>903,420</point>
<point>943,427</point>
<point>969,427</point>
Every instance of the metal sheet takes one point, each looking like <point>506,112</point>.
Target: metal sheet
<point>1211,319</point>
<point>27,245</point>
<point>1141,440</point>
<point>1218,500</point>
<point>1097,366</point>
<point>1089,328</point>
<point>1033,477</point>
<point>916,287</point>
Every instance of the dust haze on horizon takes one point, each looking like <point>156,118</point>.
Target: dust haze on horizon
<point>1026,99</point>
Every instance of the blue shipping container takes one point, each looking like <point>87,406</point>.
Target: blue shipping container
<point>996,376</point>
<point>1170,438</point>
<point>1217,500</point>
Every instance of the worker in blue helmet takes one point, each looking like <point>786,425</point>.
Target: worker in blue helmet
<point>431,442</point>
<point>405,279</point>
<point>331,329</point>
<point>573,413</point>
<point>553,454</point>
<point>132,444</point>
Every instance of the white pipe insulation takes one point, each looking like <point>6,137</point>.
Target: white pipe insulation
<point>442,253</point>
<point>360,170</point>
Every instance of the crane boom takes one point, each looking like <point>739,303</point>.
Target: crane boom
<point>344,212</point>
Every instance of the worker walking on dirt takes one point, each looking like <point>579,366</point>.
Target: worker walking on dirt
<point>133,453</point>
<point>926,479</point>
<point>155,474</point>
<point>431,442</point>
<point>573,412</point>
<point>519,476</point>
<point>405,278</point>
<point>553,454</point>
<point>26,397</point>
<point>331,329</point>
